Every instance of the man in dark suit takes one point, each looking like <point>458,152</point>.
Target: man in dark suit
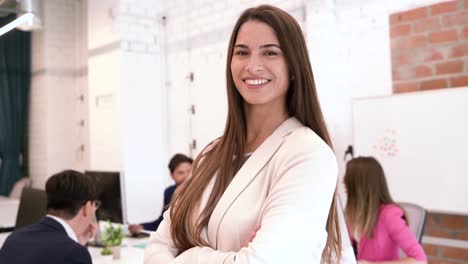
<point>60,236</point>
<point>179,167</point>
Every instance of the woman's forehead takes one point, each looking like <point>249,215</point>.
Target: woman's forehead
<point>256,33</point>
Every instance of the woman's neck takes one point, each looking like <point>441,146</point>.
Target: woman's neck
<point>261,122</point>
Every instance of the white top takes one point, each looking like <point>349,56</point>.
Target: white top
<point>71,234</point>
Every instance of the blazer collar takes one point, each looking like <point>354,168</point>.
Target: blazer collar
<point>248,172</point>
<point>48,221</point>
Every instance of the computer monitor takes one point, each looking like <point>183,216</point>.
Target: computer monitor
<point>110,190</point>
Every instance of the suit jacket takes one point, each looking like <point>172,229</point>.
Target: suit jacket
<point>45,241</point>
<point>390,234</point>
<point>152,226</point>
<point>286,187</point>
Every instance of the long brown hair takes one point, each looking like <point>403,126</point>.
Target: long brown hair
<point>302,103</point>
<point>367,190</point>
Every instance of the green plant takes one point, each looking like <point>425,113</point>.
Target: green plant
<point>106,251</point>
<point>112,236</point>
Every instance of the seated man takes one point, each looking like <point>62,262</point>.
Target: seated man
<point>60,236</point>
<point>179,167</point>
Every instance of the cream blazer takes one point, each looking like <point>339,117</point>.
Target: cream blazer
<point>286,187</point>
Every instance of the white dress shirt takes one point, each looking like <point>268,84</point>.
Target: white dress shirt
<point>66,226</point>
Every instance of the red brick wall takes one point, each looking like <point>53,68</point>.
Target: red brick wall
<point>429,47</point>
<point>446,226</point>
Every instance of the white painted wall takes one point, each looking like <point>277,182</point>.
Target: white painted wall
<point>105,110</point>
<point>127,106</point>
<point>104,86</point>
<point>144,146</point>
<point>55,111</point>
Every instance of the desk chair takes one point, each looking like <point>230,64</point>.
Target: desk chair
<point>32,207</point>
<point>416,218</point>
<point>18,187</point>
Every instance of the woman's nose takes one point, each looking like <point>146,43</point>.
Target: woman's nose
<point>254,64</point>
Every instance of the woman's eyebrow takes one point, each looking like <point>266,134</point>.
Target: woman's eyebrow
<point>261,46</point>
<point>269,46</point>
<point>241,46</point>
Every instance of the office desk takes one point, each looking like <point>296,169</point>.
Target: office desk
<point>9,209</point>
<point>129,254</point>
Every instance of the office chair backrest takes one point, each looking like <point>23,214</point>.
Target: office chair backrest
<point>18,187</point>
<point>416,217</point>
<point>32,207</point>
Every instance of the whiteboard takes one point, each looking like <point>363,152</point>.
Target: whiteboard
<point>421,140</point>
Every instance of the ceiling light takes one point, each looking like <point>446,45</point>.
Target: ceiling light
<point>27,15</point>
<point>30,6</point>
<point>31,24</point>
<point>25,18</point>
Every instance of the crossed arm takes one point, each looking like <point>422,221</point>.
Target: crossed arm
<point>292,224</point>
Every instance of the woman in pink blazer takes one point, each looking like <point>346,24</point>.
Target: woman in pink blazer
<point>377,225</point>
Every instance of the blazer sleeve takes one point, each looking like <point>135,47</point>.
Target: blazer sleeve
<point>293,219</point>
<point>152,226</point>
<point>168,193</point>
<point>78,255</point>
<point>160,248</point>
<point>401,234</point>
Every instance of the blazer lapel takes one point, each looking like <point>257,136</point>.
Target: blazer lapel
<point>247,173</point>
<point>52,223</point>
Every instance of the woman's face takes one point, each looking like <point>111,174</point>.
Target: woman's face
<point>258,66</point>
<point>181,172</point>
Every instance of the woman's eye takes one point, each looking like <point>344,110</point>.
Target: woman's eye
<point>270,53</point>
<point>241,53</point>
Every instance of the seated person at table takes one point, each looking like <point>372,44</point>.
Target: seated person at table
<point>179,167</point>
<point>60,236</point>
<point>377,225</point>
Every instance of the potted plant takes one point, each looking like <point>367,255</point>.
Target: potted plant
<point>112,238</point>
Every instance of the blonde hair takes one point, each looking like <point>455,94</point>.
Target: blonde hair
<point>367,190</point>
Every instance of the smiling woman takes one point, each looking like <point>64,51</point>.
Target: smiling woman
<point>264,191</point>
<point>259,69</point>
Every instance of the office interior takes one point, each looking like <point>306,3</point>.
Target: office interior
<point>121,86</point>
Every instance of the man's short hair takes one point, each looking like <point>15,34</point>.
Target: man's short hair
<point>178,159</point>
<point>69,190</point>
